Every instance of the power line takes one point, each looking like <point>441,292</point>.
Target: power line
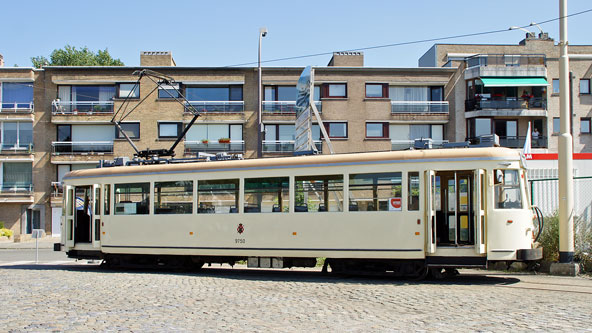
<point>407,43</point>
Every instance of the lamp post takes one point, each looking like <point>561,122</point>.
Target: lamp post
<point>262,33</point>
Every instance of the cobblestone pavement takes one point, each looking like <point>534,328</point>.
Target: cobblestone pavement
<point>83,297</point>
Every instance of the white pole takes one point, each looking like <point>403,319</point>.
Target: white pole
<point>262,33</point>
<point>37,249</point>
<point>566,224</point>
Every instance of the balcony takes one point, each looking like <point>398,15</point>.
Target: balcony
<point>82,108</point>
<point>18,189</point>
<point>518,141</point>
<point>17,107</point>
<point>15,149</point>
<point>284,107</point>
<point>235,146</point>
<point>284,146</point>
<point>408,144</point>
<point>82,148</point>
<point>506,65</point>
<point>215,106</point>
<point>419,107</point>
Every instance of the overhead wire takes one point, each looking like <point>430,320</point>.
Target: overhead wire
<point>408,42</point>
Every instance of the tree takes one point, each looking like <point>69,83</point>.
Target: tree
<point>70,56</point>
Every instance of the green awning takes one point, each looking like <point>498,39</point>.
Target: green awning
<point>514,81</point>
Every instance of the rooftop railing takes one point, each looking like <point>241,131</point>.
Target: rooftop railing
<point>215,106</point>
<point>75,107</point>
<point>509,60</point>
<point>426,107</point>
<point>284,107</point>
<point>82,147</point>
<point>506,103</point>
<point>284,146</point>
<point>17,107</point>
<point>16,148</point>
<point>234,146</point>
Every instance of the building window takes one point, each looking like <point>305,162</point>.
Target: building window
<point>132,199</point>
<point>377,90</point>
<point>375,192</point>
<point>336,130</point>
<point>335,90</point>
<point>219,196</point>
<point>167,130</point>
<point>377,130</point>
<point>215,93</point>
<point>584,86</point>
<point>166,91</point>
<point>128,90</point>
<point>17,94</point>
<point>267,195</point>
<point>173,197</point>
<point>556,125</point>
<point>16,135</point>
<point>556,86</point>
<point>16,176</point>
<point>585,125</point>
<point>131,129</point>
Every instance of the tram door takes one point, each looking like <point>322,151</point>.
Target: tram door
<point>453,196</point>
<point>96,216</point>
<point>83,213</point>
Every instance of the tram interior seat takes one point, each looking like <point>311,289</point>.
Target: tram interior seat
<point>252,208</point>
<point>322,208</point>
<point>233,209</point>
<point>301,208</point>
<point>164,210</point>
<point>276,208</point>
<point>353,206</point>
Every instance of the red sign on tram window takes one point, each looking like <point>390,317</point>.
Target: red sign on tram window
<point>395,204</point>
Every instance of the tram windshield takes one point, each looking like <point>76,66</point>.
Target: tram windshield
<point>507,189</point>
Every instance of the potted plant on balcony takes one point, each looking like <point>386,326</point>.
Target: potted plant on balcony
<point>205,141</point>
<point>224,140</point>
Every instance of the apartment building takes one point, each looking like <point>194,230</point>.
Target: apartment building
<point>60,118</point>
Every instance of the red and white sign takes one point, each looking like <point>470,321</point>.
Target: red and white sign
<point>395,204</point>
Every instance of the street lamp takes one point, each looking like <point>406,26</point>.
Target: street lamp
<point>262,33</point>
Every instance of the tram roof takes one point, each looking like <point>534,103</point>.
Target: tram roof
<point>455,154</point>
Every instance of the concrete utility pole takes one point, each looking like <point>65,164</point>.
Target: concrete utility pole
<point>566,204</point>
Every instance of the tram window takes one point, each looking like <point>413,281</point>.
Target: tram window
<point>70,202</point>
<point>97,201</point>
<point>375,191</point>
<point>173,197</point>
<point>319,194</point>
<point>107,196</point>
<point>507,189</point>
<point>218,196</point>
<point>132,199</point>
<point>413,194</point>
<point>267,195</point>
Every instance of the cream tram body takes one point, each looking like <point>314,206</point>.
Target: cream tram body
<point>448,208</point>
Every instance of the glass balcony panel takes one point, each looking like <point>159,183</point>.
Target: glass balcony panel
<point>16,148</point>
<point>82,147</point>
<point>284,146</point>
<point>283,107</point>
<point>408,144</point>
<point>506,103</point>
<point>69,108</point>
<point>192,147</point>
<point>16,188</point>
<point>215,106</point>
<point>438,107</point>
<point>17,107</point>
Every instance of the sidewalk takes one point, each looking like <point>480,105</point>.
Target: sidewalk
<point>44,243</point>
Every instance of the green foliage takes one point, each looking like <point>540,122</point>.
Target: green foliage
<point>549,240</point>
<point>5,232</point>
<point>1,225</point>
<point>71,56</point>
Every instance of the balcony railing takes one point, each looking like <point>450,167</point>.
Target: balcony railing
<point>427,107</point>
<point>216,106</point>
<point>284,107</point>
<point>506,103</point>
<point>284,146</point>
<point>16,188</point>
<point>17,107</point>
<point>235,146</point>
<point>57,190</point>
<point>518,141</point>
<point>407,144</point>
<point>508,60</point>
<point>86,108</point>
<point>82,147</point>
<point>11,148</point>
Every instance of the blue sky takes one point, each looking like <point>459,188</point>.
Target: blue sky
<point>223,33</point>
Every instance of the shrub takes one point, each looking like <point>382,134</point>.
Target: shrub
<point>549,240</point>
<point>5,232</point>
<point>1,225</point>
